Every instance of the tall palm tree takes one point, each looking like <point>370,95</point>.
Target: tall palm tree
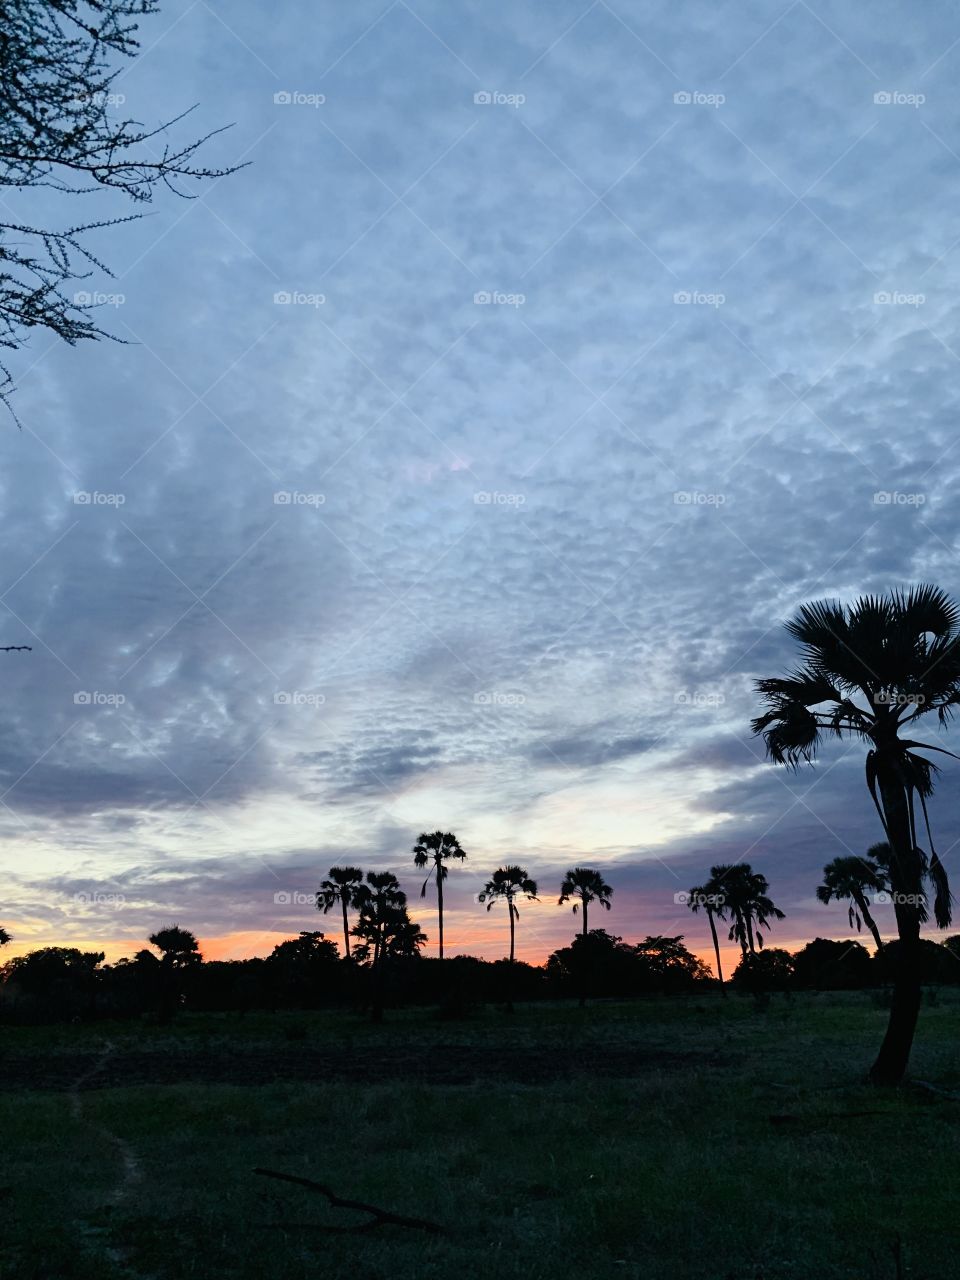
<point>850,879</point>
<point>341,888</point>
<point>709,896</point>
<point>587,886</point>
<point>869,671</point>
<point>745,899</point>
<point>437,847</point>
<point>506,885</point>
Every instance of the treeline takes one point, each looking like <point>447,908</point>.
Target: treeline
<point>309,972</point>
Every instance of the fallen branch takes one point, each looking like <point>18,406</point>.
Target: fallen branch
<point>381,1217</point>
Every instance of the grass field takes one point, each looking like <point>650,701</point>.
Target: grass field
<point>649,1140</point>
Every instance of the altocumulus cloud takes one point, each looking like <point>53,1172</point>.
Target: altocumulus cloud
<point>532,549</point>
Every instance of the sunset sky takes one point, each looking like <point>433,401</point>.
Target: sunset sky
<point>469,449</point>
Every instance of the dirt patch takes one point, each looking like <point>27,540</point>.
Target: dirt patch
<point>450,1064</point>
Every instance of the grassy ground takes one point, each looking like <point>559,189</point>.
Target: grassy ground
<point>731,1148</point>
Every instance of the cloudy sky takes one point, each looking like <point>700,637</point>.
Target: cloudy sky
<point>469,450</point>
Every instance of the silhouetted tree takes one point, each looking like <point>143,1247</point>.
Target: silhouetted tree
<point>827,965</point>
<point>53,982</point>
<point>179,952</point>
<point>586,886</point>
<point>868,671</point>
<point>746,902</point>
<point>770,970</point>
<point>4,936</point>
<point>669,963</point>
<point>385,930</point>
<point>436,847</point>
<point>58,131</point>
<point>850,879</point>
<point>936,963</point>
<point>341,889</point>
<point>301,965</point>
<point>506,885</point>
<point>709,897</point>
<point>598,963</point>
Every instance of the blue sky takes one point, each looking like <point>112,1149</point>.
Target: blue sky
<point>586,342</point>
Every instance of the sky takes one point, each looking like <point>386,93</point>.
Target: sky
<point>464,455</point>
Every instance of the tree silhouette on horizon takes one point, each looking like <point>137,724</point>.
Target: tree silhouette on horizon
<point>341,888</point>
<point>385,930</point>
<point>179,952</point>
<point>849,879</point>
<point>588,886</point>
<point>745,898</point>
<point>506,885</point>
<point>709,896</point>
<point>869,670</point>
<point>437,847</point>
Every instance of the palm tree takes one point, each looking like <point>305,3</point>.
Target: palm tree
<point>179,952</point>
<point>437,847</point>
<point>744,896</point>
<point>850,879</point>
<point>588,886</point>
<point>4,936</point>
<point>710,897</point>
<point>384,928</point>
<point>341,888</point>
<point>868,671</point>
<point>507,884</point>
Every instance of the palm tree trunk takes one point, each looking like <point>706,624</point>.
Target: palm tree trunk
<point>741,935</point>
<point>905,878</point>
<point>512,929</point>
<point>716,949</point>
<point>440,903</point>
<point>346,929</point>
<point>749,921</point>
<point>868,919</point>
<point>584,917</point>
